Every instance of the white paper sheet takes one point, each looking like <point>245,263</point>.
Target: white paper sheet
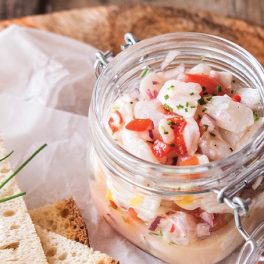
<point>45,87</point>
<point>42,74</point>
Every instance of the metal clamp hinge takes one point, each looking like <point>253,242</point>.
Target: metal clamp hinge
<point>240,206</point>
<point>102,58</point>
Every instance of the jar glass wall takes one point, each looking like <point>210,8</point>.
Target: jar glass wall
<point>138,197</point>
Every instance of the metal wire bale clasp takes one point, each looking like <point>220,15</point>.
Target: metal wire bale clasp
<point>240,206</point>
<point>102,58</point>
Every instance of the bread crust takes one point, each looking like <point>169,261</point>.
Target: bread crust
<point>63,218</point>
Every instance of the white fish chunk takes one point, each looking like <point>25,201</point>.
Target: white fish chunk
<point>180,97</point>
<point>249,97</point>
<point>230,115</point>
<point>225,78</point>
<point>201,68</point>
<point>213,146</point>
<point>150,86</point>
<point>135,145</point>
<point>166,132</point>
<point>184,228</point>
<point>191,135</point>
<point>152,109</point>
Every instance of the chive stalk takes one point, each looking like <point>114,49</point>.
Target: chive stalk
<point>20,167</point>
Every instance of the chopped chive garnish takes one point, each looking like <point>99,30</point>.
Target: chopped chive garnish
<point>218,88</point>
<point>171,87</point>
<point>21,166</point>
<point>192,93</point>
<point>231,149</point>
<point>205,127</point>
<point>144,72</point>
<point>200,117</point>
<point>180,106</point>
<point>186,110</point>
<point>192,106</point>
<point>171,123</point>
<point>187,104</point>
<point>201,101</point>
<point>7,156</point>
<point>165,132</point>
<point>8,198</point>
<point>209,98</point>
<point>204,109</point>
<point>166,97</point>
<point>156,234</point>
<point>256,116</point>
<point>212,134</point>
<point>167,107</point>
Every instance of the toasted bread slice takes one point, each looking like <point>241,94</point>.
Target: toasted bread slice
<point>19,242</point>
<point>63,218</point>
<point>60,250</point>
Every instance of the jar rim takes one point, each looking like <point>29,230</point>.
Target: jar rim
<point>247,152</point>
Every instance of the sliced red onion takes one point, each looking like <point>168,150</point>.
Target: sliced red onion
<point>151,94</point>
<point>155,82</point>
<point>155,223</point>
<point>208,218</point>
<point>151,134</point>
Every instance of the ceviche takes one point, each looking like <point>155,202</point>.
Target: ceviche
<point>179,117</point>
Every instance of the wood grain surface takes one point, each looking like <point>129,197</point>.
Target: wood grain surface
<point>103,27</point>
<point>250,10</point>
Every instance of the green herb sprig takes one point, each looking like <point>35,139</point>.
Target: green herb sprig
<point>7,156</point>
<point>19,168</point>
<point>144,72</point>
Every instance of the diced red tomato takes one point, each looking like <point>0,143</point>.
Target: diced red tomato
<point>189,161</point>
<point>236,98</point>
<point>113,204</point>
<point>178,124</point>
<point>210,84</point>
<point>161,149</point>
<point>133,214</point>
<point>115,121</point>
<point>140,125</point>
<point>166,111</point>
<point>172,229</point>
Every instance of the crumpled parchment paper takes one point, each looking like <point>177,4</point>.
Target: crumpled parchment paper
<point>45,88</point>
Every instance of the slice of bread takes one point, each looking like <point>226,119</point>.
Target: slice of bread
<point>60,250</point>
<point>63,218</point>
<point>19,242</point>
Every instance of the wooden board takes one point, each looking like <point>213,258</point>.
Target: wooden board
<point>104,27</point>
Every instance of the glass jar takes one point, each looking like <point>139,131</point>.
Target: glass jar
<point>134,195</point>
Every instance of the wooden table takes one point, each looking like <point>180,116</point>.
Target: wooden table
<point>104,27</point>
